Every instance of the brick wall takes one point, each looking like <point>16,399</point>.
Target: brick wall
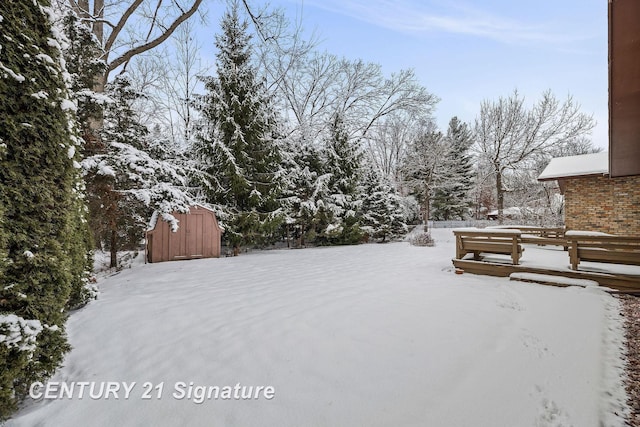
<point>597,203</point>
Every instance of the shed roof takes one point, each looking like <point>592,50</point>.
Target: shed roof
<point>575,166</point>
<point>166,217</point>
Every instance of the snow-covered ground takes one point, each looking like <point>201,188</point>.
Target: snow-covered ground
<point>369,335</point>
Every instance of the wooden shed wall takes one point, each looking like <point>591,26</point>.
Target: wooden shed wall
<point>198,236</point>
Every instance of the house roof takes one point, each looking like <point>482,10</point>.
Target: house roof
<point>575,166</point>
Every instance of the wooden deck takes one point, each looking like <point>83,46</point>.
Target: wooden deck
<point>629,284</point>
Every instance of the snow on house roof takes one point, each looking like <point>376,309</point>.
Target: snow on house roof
<point>582,165</point>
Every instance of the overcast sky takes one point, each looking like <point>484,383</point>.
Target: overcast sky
<point>470,50</point>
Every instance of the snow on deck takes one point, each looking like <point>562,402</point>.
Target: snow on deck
<point>369,335</point>
<point>488,230</point>
<point>586,233</point>
<point>547,278</point>
<point>585,164</point>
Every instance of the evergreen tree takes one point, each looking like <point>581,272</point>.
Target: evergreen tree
<point>128,182</point>
<point>422,167</point>
<point>114,215</point>
<point>451,198</point>
<point>239,150</point>
<point>307,188</point>
<point>3,234</point>
<point>41,226</point>
<point>338,220</point>
<point>82,54</point>
<point>128,171</point>
<point>382,210</point>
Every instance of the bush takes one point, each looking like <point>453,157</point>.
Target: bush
<point>422,239</point>
<point>42,240</point>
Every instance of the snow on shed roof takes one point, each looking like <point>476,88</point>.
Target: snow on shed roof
<point>582,165</point>
<point>168,217</point>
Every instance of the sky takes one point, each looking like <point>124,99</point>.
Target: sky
<point>465,52</point>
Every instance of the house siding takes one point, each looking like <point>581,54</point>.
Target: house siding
<point>598,203</point>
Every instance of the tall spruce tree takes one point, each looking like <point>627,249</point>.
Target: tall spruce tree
<point>382,211</point>
<point>115,215</point>
<point>42,230</point>
<point>451,199</point>
<point>306,191</point>
<point>239,149</point>
<point>341,211</point>
<point>131,176</point>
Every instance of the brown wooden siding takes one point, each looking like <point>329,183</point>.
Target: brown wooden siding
<point>624,87</point>
<point>198,236</point>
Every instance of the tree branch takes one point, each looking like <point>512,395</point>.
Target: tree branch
<point>123,20</point>
<point>155,17</point>
<point>155,42</point>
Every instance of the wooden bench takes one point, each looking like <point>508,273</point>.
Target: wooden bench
<point>540,236</point>
<point>493,241</point>
<point>600,247</point>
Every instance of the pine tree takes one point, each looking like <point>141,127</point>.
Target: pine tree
<point>382,211</point>
<point>338,221</point>
<point>422,167</point>
<point>128,171</point>
<point>41,227</point>
<point>82,54</point>
<point>451,199</point>
<point>307,188</point>
<point>114,215</point>
<point>128,182</point>
<point>3,233</point>
<point>239,149</point>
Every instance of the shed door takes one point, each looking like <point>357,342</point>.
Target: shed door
<point>189,240</point>
<point>195,234</point>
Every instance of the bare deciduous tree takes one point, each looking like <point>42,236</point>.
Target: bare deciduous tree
<point>509,135</point>
<point>322,85</point>
<point>170,77</point>
<point>422,166</point>
<point>125,30</point>
<point>388,143</point>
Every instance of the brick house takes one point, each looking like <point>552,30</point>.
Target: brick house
<point>593,200</point>
<point>602,190</point>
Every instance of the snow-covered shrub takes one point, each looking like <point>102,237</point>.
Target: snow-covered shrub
<point>42,238</point>
<point>422,239</point>
<point>17,347</point>
<point>18,333</point>
<point>80,296</point>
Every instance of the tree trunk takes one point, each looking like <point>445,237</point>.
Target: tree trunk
<point>113,247</point>
<point>82,9</point>
<point>427,209</point>
<point>98,25</point>
<point>500,197</point>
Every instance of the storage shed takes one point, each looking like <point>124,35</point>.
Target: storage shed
<point>198,236</point>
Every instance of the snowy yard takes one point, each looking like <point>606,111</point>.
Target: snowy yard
<point>370,335</point>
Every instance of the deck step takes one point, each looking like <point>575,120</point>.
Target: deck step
<point>549,279</point>
<point>618,283</point>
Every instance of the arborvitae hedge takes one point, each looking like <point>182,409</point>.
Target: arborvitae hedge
<point>41,224</point>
